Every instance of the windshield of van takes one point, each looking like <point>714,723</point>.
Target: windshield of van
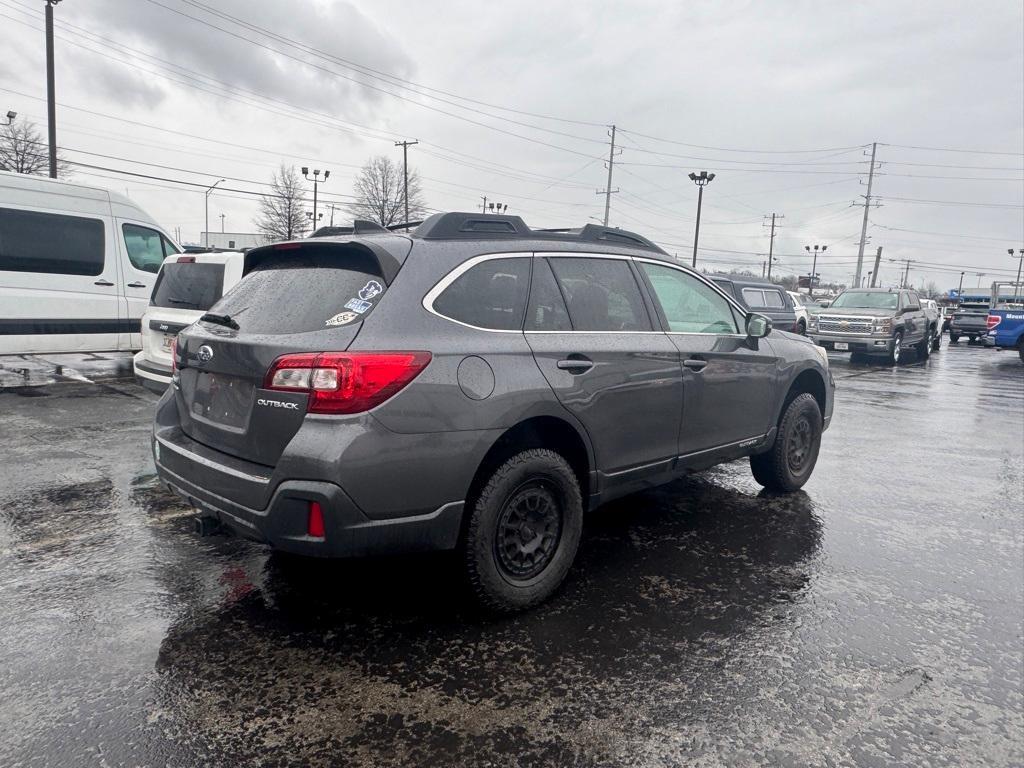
<point>188,286</point>
<point>858,300</point>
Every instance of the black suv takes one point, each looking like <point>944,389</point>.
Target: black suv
<point>763,297</point>
<point>475,385</point>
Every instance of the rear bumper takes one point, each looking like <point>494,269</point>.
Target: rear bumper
<point>868,345</point>
<point>152,376</point>
<point>282,523</point>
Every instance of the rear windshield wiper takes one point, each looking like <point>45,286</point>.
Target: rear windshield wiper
<point>183,301</point>
<point>211,317</point>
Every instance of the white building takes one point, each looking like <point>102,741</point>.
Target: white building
<point>232,240</point>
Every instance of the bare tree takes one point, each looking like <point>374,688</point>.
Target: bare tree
<point>282,212</point>
<point>379,193</point>
<point>23,150</point>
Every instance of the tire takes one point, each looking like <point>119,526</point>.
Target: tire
<point>791,459</point>
<point>1020,349</point>
<point>954,337</point>
<point>523,531</point>
<point>936,340</point>
<point>971,339</point>
<point>924,347</point>
<point>801,328</point>
<point>896,353</point>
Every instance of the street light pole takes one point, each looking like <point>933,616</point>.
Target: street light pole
<point>701,180</point>
<point>814,266</point>
<point>317,181</point>
<point>960,288</point>
<point>51,97</point>
<point>206,233</point>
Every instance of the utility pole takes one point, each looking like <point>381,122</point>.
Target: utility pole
<point>405,174</point>
<point>51,97</point>
<point>874,272</point>
<point>960,288</point>
<point>867,207</point>
<point>608,191</point>
<point>771,242</point>
<point>906,275</point>
<point>209,191</point>
<point>333,207</point>
<point>483,208</point>
<point>222,223</point>
<point>1020,263</point>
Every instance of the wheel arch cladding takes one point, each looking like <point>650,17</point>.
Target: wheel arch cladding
<point>807,381</point>
<point>548,432</point>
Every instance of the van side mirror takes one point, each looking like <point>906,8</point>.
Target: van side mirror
<point>758,326</point>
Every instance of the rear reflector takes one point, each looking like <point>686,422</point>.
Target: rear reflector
<point>186,259</point>
<point>315,523</point>
<point>345,382</point>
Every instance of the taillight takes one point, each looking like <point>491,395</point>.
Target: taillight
<point>174,355</point>
<point>993,321</point>
<point>315,520</point>
<point>345,382</point>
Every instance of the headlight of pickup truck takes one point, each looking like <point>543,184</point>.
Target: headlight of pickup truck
<point>812,322</point>
<point>881,325</point>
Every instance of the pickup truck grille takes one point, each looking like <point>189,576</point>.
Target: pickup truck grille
<point>843,324</point>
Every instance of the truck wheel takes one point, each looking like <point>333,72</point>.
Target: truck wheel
<point>936,339</point>
<point>801,328</point>
<point>954,337</point>
<point>791,459</point>
<point>924,347</point>
<point>896,353</point>
<point>523,531</point>
<point>971,339</point>
<point>1020,349</point>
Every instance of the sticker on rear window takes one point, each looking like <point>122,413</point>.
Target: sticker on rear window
<point>358,305</point>
<point>342,318</point>
<point>371,289</point>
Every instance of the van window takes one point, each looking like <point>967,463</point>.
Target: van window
<point>753,297</point>
<point>146,247</point>
<point>188,286</point>
<point>773,299</point>
<point>491,294</point>
<point>601,294</point>
<point>31,241</point>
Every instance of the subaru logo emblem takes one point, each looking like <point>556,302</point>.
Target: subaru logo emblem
<point>204,354</point>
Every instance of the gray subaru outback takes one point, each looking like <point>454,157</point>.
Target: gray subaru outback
<point>476,385</point>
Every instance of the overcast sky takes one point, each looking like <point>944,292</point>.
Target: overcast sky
<point>512,101</point>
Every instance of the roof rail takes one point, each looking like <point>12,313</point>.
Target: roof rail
<point>490,226</point>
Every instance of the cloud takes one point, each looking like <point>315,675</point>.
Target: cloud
<point>188,37</point>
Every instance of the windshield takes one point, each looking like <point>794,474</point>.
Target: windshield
<point>866,300</point>
<point>185,285</point>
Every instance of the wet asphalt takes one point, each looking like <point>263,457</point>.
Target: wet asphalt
<point>874,619</point>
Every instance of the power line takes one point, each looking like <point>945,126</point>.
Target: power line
<point>949,149</point>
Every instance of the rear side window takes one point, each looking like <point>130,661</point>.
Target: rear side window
<point>601,294</point>
<point>491,294</point>
<point>773,299</point>
<point>146,247</point>
<point>308,289</point>
<point>188,286</point>
<point>51,243</point>
<point>547,307</point>
<point>753,297</point>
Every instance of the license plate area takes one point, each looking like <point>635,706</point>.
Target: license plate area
<point>221,400</point>
<point>842,346</point>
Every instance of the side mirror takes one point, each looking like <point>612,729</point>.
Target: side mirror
<point>824,304</point>
<point>758,326</point>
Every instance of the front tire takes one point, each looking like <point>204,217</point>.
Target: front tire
<point>924,347</point>
<point>523,531</point>
<point>791,459</point>
<point>801,328</point>
<point>896,353</point>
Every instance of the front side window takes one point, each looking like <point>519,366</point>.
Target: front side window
<point>146,247</point>
<point>688,305</point>
<point>601,294</point>
<point>491,294</point>
<point>32,241</point>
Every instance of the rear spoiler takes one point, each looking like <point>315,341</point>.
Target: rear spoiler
<point>386,253</point>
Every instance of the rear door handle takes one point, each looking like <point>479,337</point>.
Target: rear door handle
<point>578,364</point>
<point>695,364</point>
<point>136,284</point>
<point>104,283</point>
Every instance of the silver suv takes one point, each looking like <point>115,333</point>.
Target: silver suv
<point>477,385</point>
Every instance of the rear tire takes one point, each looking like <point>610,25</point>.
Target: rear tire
<point>971,339</point>
<point>924,347</point>
<point>801,328</point>
<point>791,459</point>
<point>954,337</point>
<point>936,339</point>
<point>523,531</point>
<point>1020,349</point>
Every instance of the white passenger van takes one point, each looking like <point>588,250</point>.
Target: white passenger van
<point>77,265</point>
